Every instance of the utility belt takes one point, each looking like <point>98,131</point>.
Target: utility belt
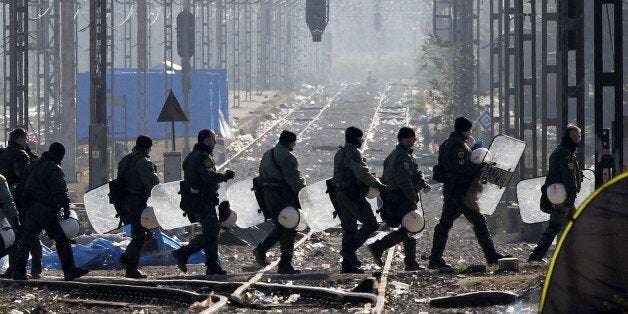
<point>274,184</point>
<point>192,198</point>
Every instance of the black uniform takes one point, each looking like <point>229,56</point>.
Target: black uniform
<point>404,182</point>
<point>140,179</point>
<point>459,175</point>
<point>282,182</point>
<point>203,180</point>
<point>45,193</point>
<point>350,172</point>
<point>563,168</point>
<point>13,162</point>
<point>7,209</point>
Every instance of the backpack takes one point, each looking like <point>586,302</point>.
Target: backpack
<point>438,171</point>
<point>118,193</point>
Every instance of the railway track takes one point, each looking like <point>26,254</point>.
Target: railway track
<point>318,121</point>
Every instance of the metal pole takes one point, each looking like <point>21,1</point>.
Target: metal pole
<point>98,164</point>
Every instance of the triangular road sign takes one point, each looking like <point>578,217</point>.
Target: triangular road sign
<point>171,111</point>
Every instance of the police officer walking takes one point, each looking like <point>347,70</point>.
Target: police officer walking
<point>351,177</point>
<point>45,193</point>
<point>563,168</point>
<point>13,162</point>
<point>281,181</point>
<point>459,174</point>
<point>202,182</point>
<point>140,175</point>
<point>404,181</point>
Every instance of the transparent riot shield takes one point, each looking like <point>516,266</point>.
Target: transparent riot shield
<point>376,204</point>
<point>244,203</point>
<point>529,195</point>
<point>317,207</point>
<point>101,214</point>
<point>165,199</point>
<point>489,186</point>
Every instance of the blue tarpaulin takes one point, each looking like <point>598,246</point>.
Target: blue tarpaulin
<point>103,254</point>
<point>208,94</point>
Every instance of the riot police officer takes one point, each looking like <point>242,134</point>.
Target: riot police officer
<point>201,190</point>
<point>281,181</point>
<point>563,168</point>
<point>45,193</point>
<point>13,162</point>
<point>140,176</point>
<point>459,175</point>
<point>351,178</point>
<point>404,181</point>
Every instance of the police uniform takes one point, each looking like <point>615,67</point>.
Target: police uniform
<point>201,177</point>
<point>404,181</point>
<point>7,208</point>
<point>45,193</point>
<point>140,176</point>
<point>563,168</point>
<point>459,175</point>
<point>13,162</point>
<point>282,181</point>
<point>351,171</point>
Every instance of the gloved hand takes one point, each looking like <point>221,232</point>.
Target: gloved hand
<point>66,212</point>
<point>230,174</point>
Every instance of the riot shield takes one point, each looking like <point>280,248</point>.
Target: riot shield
<point>165,199</point>
<point>244,203</point>
<point>101,214</point>
<point>529,194</point>
<point>376,204</point>
<point>317,207</point>
<point>489,186</point>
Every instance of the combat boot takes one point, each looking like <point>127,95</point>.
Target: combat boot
<point>348,268</point>
<point>377,252</point>
<point>19,275</point>
<point>75,273</point>
<point>287,270</point>
<point>409,249</point>
<point>36,274</point>
<point>486,243</point>
<point>349,246</point>
<point>437,263</point>
<point>412,265</point>
<point>215,271</point>
<point>542,247</point>
<point>134,273</point>
<point>351,258</point>
<point>534,257</point>
<point>181,260</point>
<point>260,257</point>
